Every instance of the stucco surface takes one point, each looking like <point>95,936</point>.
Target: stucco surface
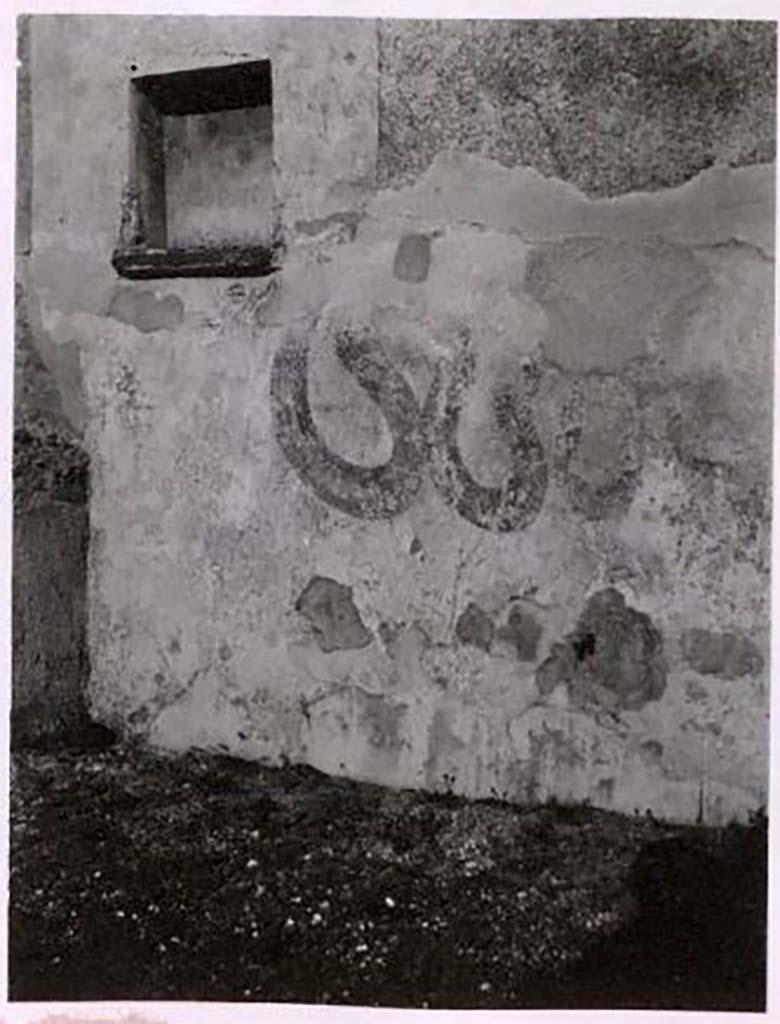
<point>351,513</point>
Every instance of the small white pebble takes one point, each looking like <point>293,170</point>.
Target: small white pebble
<point>389,901</point>
<point>251,863</point>
<point>485,986</point>
<point>316,919</point>
<point>254,834</point>
<point>120,913</point>
<point>361,948</point>
<point>289,923</point>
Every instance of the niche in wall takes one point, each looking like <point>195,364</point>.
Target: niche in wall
<point>200,199</point>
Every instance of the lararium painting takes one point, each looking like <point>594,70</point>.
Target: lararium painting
<point>392,502</point>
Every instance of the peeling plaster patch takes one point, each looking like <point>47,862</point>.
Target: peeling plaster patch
<point>329,607</point>
<point>728,655</point>
<point>606,300</point>
<point>475,627</point>
<point>144,311</point>
<point>520,201</point>
<point>346,225</point>
<point>412,259</point>
<point>613,658</point>
<point>520,635</point>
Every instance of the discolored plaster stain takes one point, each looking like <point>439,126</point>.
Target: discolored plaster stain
<point>613,658</point>
<point>389,632</point>
<point>552,747</point>
<point>131,405</point>
<point>345,222</point>
<point>444,746</point>
<point>651,751</point>
<point>694,691</point>
<point>727,655</point>
<point>519,635</point>
<point>382,722</point>
<point>475,627</point>
<point>412,259</point>
<point>558,667</point>
<point>605,299</point>
<point>329,607</point>
<point>598,451</point>
<point>605,790</point>
<point>144,311</point>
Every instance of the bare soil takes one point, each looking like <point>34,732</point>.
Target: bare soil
<point>138,876</point>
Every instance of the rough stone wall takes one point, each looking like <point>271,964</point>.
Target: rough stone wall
<point>474,492</point>
<point>50,662</point>
<point>50,537</point>
<point>610,106</point>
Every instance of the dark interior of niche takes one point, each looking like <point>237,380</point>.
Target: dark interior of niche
<point>200,199</point>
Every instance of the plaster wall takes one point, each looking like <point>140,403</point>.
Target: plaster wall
<point>473,493</point>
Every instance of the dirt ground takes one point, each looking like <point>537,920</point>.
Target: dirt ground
<point>137,876</point>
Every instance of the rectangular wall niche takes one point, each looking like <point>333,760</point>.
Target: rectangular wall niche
<point>200,200</point>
